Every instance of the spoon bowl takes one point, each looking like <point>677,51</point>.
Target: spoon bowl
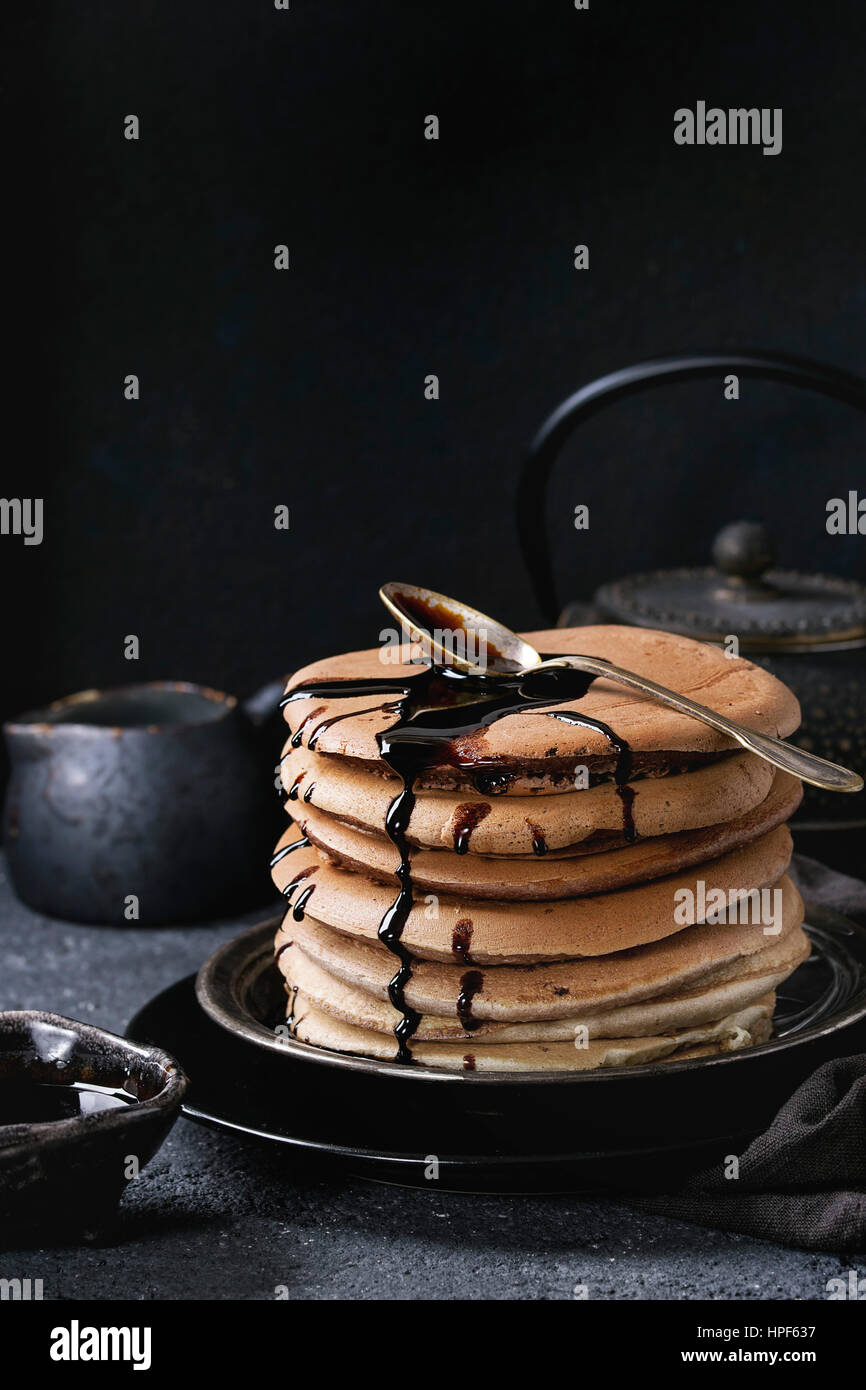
<point>455,635</point>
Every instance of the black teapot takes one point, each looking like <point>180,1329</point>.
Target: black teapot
<point>150,803</point>
<point>808,629</point>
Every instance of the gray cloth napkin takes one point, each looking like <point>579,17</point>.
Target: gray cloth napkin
<point>802,1182</point>
<point>829,888</point>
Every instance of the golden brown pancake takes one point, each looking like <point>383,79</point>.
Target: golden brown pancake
<point>547,990</point>
<point>743,982</point>
<point>513,825</point>
<point>495,931</point>
<point>539,749</point>
<point>747,1028</point>
<point>553,875</point>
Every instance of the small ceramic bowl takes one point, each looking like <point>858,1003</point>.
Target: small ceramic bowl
<point>81,1112</point>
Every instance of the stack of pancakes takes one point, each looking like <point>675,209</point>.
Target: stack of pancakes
<point>559,918</point>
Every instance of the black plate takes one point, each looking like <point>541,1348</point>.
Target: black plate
<point>641,1126</point>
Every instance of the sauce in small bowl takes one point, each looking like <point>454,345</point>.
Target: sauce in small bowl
<point>81,1112</point>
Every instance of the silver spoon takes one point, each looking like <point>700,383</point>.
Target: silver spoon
<point>431,617</point>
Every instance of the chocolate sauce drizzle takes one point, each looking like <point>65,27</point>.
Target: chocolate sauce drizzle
<point>335,719</point>
<point>303,899</point>
<point>303,843</point>
<point>470,984</point>
<point>627,795</point>
<point>298,735</point>
<point>299,878</point>
<point>290,1018</point>
<point>440,713</point>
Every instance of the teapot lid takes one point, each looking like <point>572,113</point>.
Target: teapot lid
<point>768,609</point>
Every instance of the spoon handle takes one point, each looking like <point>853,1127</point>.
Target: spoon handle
<point>789,758</point>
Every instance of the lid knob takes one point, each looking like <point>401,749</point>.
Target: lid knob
<point>743,551</point>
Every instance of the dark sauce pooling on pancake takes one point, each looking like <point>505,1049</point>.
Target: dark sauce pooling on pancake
<point>468,815</point>
<point>461,940</point>
<point>439,714</point>
<point>539,844</point>
<point>492,783</point>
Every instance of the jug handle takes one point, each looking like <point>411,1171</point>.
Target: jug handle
<point>264,702</point>
<point>531,495</point>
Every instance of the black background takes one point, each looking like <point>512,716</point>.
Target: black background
<point>408,257</point>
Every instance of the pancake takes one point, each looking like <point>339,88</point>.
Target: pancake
<point>515,915</point>
<point>441,927</point>
<point>509,825</point>
<point>748,979</point>
<point>747,1028</point>
<point>538,751</point>
<point>553,875</point>
<point>552,990</point>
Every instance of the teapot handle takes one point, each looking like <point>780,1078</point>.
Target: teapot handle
<point>265,702</point>
<point>531,498</point>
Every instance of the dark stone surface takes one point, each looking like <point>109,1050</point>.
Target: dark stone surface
<point>216,1217</point>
